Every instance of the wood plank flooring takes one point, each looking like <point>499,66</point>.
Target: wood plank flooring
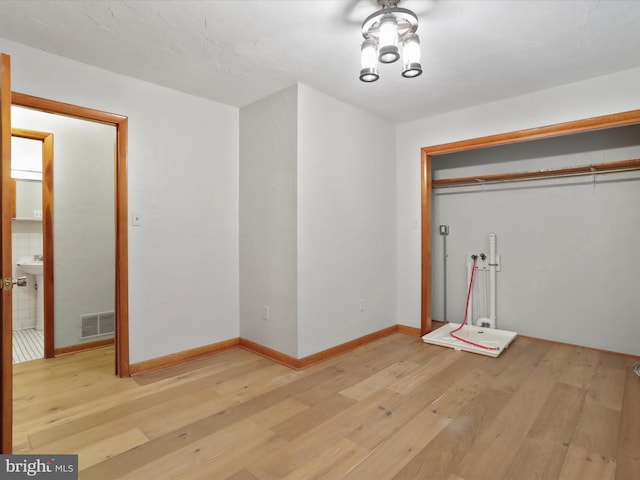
<point>394,409</point>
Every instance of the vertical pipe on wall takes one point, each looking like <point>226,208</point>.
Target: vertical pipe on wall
<point>492,280</point>
<point>469,313</point>
<point>444,231</point>
<point>444,279</point>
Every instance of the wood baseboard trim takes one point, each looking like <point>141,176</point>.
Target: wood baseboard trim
<point>595,349</point>
<point>175,358</point>
<point>81,347</point>
<point>274,355</point>
<point>270,354</point>
<point>346,347</point>
<point>414,331</point>
<point>299,364</point>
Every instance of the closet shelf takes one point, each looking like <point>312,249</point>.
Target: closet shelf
<point>606,167</point>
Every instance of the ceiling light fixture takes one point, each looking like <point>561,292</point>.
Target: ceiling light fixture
<point>384,31</point>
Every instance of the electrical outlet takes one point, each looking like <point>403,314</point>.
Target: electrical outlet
<point>266,313</point>
<point>362,305</point>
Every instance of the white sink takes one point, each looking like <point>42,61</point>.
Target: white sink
<point>32,267</point>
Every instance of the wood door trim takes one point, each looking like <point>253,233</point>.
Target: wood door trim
<point>47,231</point>
<point>47,245</point>
<point>68,109</point>
<point>427,186</point>
<point>427,153</point>
<point>13,189</point>
<point>122,250</point>
<point>120,122</point>
<point>6,383</point>
<point>538,133</point>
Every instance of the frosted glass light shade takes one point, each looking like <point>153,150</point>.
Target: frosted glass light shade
<point>369,54</point>
<point>388,51</point>
<point>369,61</point>
<point>411,56</point>
<point>386,31</point>
<point>411,49</point>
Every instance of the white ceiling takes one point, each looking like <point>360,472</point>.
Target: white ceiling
<point>238,51</point>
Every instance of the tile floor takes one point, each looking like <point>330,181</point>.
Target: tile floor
<point>28,344</point>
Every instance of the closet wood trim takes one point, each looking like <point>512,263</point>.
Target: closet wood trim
<point>427,153</point>
<point>577,126</point>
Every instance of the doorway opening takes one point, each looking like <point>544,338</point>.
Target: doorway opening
<point>119,185</point>
<point>31,212</point>
<point>118,191</point>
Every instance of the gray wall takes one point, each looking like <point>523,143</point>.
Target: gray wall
<point>567,245</point>
<point>603,95</point>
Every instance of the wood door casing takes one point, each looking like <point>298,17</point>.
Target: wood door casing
<point>121,208</point>
<point>6,383</point>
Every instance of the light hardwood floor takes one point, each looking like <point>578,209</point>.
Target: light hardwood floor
<point>394,409</point>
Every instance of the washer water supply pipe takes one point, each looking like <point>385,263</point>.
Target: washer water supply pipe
<point>493,264</point>
<point>453,332</point>
<point>470,336</point>
<point>471,268</point>
<point>444,231</point>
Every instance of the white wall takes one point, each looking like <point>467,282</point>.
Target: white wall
<point>183,181</point>
<point>268,226</point>
<point>83,218</point>
<point>599,96</point>
<point>317,208</point>
<point>346,210</point>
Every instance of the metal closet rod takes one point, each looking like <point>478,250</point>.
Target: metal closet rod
<point>600,168</point>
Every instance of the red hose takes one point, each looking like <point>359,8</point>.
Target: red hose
<point>466,310</point>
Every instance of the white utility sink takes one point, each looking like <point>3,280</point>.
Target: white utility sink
<point>32,267</point>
